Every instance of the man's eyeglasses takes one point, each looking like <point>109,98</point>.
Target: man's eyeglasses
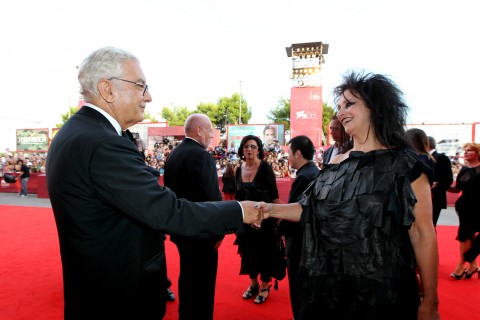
<point>143,86</point>
<point>252,146</point>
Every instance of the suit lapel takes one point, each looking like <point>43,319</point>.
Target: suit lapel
<point>92,113</point>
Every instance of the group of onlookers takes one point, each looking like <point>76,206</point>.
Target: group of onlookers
<point>20,170</point>
<point>35,162</point>
<point>223,157</point>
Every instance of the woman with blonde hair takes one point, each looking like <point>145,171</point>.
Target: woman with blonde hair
<point>468,182</point>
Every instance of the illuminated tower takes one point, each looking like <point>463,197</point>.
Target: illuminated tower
<point>306,94</point>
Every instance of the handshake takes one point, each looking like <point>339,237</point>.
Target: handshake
<point>255,212</point>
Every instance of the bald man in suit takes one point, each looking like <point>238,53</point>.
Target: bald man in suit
<point>191,173</point>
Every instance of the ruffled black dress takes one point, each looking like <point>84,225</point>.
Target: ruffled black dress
<point>358,261</point>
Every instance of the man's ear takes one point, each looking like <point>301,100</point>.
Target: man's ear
<point>105,88</point>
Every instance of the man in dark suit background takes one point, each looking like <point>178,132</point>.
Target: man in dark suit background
<point>335,132</point>
<point>442,180</point>
<point>191,173</point>
<point>109,208</point>
<point>300,155</point>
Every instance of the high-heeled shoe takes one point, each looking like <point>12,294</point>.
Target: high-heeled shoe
<point>469,275</point>
<point>251,291</point>
<point>455,276</point>
<point>261,299</point>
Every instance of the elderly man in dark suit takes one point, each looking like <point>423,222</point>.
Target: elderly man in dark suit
<point>442,180</point>
<point>191,173</point>
<point>109,208</point>
<point>300,155</point>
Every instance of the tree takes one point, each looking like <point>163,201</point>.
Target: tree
<point>281,113</point>
<point>210,110</point>
<point>229,110</point>
<point>149,116</point>
<point>66,116</point>
<point>226,111</point>
<point>177,116</point>
<point>327,115</point>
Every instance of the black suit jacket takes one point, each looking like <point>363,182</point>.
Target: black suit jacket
<point>305,175</point>
<point>110,209</point>
<point>327,154</point>
<point>442,174</point>
<point>191,173</point>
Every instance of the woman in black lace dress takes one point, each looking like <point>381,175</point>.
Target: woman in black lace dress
<point>255,180</point>
<point>367,218</point>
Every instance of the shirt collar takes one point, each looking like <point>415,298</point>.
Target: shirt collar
<point>111,119</point>
<point>194,140</point>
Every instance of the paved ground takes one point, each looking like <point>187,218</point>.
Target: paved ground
<point>448,217</point>
<point>32,200</point>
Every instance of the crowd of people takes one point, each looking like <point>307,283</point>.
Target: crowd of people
<point>35,161</point>
<point>223,157</point>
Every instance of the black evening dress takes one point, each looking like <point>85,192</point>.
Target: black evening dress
<point>358,261</point>
<point>468,181</point>
<point>257,247</point>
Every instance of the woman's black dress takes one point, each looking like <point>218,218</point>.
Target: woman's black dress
<point>257,247</point>
<point>357,260</point>
<point>467,205</point>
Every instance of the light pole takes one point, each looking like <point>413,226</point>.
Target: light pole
<point>240,109</point>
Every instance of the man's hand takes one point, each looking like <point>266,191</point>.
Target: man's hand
<point>252,214</point>
<point>264,208</point>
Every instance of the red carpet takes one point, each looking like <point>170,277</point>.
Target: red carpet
<point>31,282</point>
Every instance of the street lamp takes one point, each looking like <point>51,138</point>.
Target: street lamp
<point>240,109</point>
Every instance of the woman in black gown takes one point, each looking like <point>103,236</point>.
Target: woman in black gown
<point>367,218</point>
<point>468,181</point>
<point>255,180</point>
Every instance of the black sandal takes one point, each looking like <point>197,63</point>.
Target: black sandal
<point>251,291</point>
<point>455,276</point>
<point>261,299</point>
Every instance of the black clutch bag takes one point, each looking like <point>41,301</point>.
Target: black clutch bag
<point>9,178</point>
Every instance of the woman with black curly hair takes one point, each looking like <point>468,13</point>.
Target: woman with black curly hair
<point>367,218</point>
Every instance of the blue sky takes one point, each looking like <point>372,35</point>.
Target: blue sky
<point>198,51</point>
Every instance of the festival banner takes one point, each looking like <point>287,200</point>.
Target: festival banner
<point>32,139</point>
<point>268,133</point>
<point>306,113</point>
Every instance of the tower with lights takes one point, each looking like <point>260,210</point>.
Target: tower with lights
<point>306,93</point>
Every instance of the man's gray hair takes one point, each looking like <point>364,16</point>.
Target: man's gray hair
<point>103,63</point>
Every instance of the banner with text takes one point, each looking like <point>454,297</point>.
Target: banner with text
<point>32,139</point>
<point>306,113</point>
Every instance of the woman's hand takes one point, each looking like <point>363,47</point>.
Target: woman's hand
<point>287,211</point>
<point>264,209</point>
